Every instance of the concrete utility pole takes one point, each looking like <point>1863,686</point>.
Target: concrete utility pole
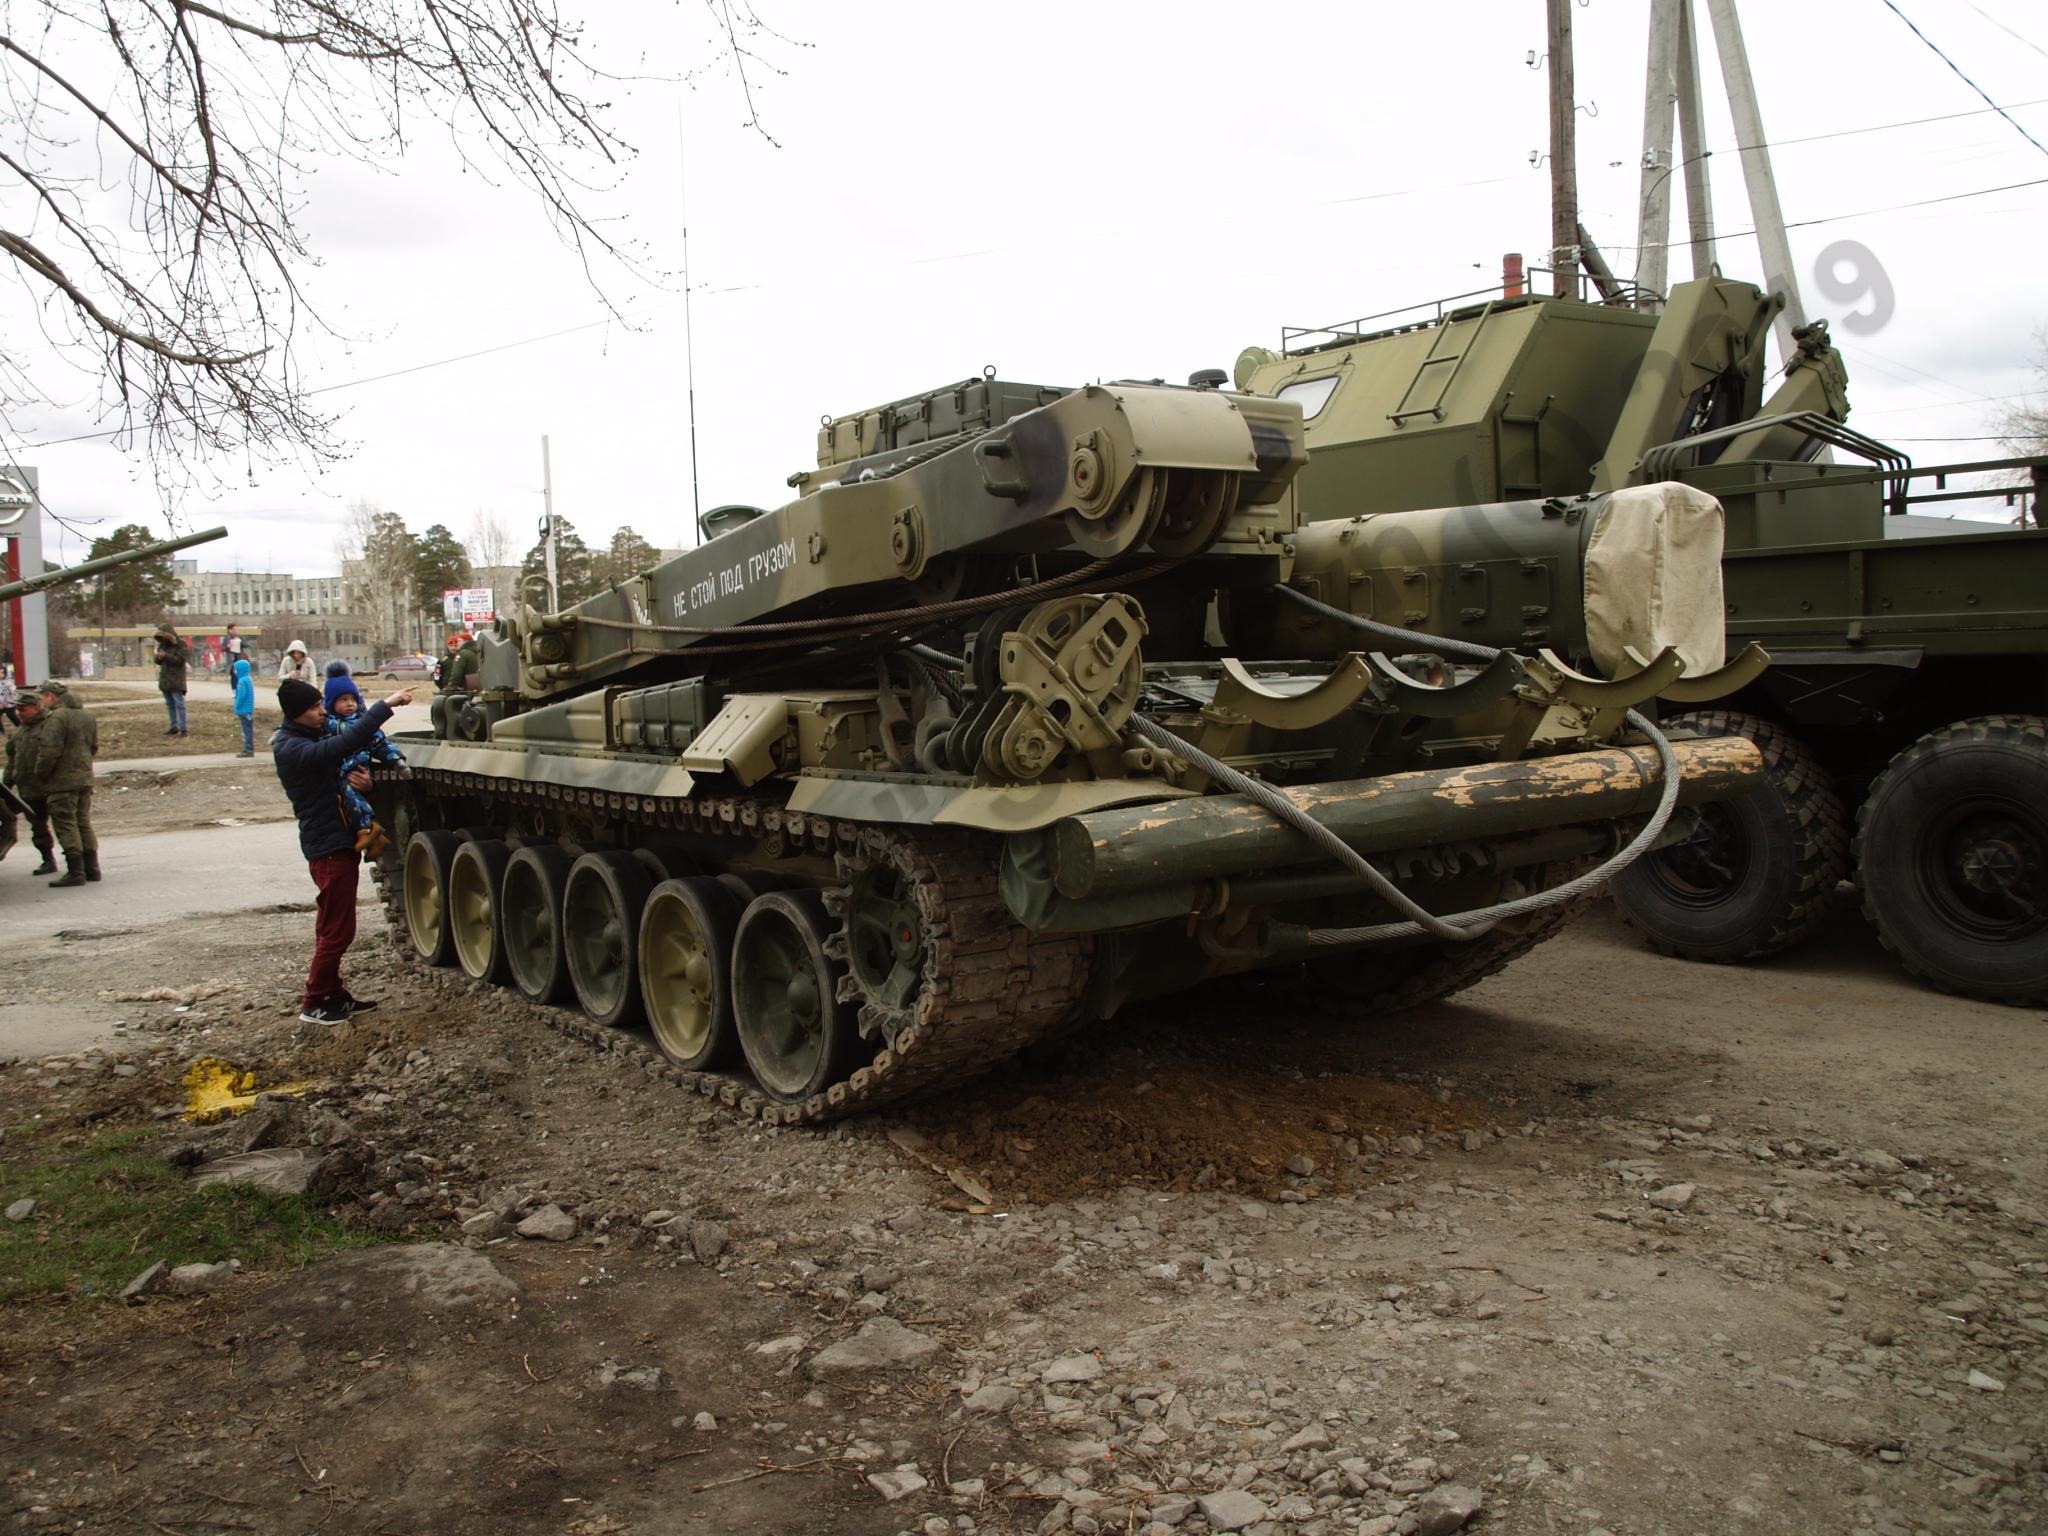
<point>1660,97</point>
<point>1756,173</point>
<point>1564,176</point>
<point>548,530</point>
<point>1692,145</point>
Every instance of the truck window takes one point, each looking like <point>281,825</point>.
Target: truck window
<point>1310,394</point>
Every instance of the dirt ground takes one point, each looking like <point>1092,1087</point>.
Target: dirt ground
<point>1610,1243</point>
<point>149,800</point>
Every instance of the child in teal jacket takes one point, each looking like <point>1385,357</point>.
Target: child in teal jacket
<point>245,708</point>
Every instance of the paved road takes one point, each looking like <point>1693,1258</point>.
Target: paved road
<point>158,878</point>
<point>156,884</point>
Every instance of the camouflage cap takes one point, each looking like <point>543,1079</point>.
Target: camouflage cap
<point>52,686</point>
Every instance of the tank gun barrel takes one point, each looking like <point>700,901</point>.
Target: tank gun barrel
<point>70,573</point>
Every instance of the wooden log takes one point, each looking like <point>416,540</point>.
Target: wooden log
<point>1133,847</point>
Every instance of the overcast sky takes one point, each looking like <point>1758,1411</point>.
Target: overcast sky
<point>1069,191</point>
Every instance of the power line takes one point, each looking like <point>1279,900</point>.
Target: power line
<point>1973,85</point>
<point>1948,405</point>
<point>1864,213</point>
<point>1910,122</point>
<point>2008,31</point>
<point>374,378</point>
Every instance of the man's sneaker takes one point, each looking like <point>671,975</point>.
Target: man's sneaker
<point>332,1011</point>
<point>357,1004</point>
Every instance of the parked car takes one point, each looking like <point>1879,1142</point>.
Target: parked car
<point>398,668</point>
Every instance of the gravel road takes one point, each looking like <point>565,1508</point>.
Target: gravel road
<point>1610,1243</point>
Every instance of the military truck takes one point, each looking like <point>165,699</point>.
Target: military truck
<point>997,726</point>
<point>1901,720</point>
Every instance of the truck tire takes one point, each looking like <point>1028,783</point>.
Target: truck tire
<point>1758,876</point>
<point>1952,858</point>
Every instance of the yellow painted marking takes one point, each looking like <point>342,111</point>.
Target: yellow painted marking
<point>215,1089</point>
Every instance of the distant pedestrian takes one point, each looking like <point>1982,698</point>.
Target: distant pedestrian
<point>307,761</point>
<point>172,658</point>
<point>231,648</point>
<point>446,660</point>
<point>245,706</point>
<point>21,778</point>
<point>297,665</point>
<point>8,696</point>
<point>69,736</point>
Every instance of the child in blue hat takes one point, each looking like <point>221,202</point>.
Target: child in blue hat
<point>245,707</point>
<point>344,702</point>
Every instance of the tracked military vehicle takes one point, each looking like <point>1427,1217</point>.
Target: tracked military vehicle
<point>1902,721</point>
<point>1010,718</point>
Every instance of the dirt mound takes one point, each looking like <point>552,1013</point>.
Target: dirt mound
<point>1184,1126</point>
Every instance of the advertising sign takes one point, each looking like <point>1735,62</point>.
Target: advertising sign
<point>468,606</point>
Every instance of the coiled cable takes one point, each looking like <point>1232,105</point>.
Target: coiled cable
<point>1460,927</point>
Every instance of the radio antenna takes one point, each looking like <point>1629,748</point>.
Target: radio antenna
<point>689,350</point>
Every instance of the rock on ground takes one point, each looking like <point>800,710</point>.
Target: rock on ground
<point>883,1344</point>
<point>898,1482</point>
<point>196,1279</point>
<point>440,1277</point>
<point>1446,1508</point>
<point>280,1170</point>
<point>1232,1509</point>
<point>550,1223</point>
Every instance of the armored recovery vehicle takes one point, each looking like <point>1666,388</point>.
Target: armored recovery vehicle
<point>984,734</point>
<point>1901,720</point>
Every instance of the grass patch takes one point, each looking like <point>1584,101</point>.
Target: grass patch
<point>139,732</point>
<point>106,1210</point>
<point>88,692</point>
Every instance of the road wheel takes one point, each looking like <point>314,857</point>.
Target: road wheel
<point>601,931</point>
<point>798,1038</point>
<point>531,895</point>
<point>427,857</point>
<point>666,864</point>
<point>1757,875</point>
<point>475,914</point>
<point>686,937</point>
<point>1952,858</point>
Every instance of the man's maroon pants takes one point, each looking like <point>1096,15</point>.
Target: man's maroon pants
<point>334,922</point>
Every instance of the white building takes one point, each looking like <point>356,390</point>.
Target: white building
<point>252,594</point>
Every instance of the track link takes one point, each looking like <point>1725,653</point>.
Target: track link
<point>992,986</point>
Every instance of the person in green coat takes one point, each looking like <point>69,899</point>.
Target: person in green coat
<point>63,771</point>
<point>20,772</point>
<point>460,677</point>
<point>172,658</point>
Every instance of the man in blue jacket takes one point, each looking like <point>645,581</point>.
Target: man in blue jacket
<point>308,766</point>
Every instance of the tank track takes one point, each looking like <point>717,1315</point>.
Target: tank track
<point>992,987</point>
<point>1450,968</point>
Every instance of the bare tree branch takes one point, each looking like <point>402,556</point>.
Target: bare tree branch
<point>152,189</point>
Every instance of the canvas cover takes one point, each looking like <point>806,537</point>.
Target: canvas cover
<point>1653,578</point>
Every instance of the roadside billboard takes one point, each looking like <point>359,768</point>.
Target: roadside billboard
<point>468,606</point>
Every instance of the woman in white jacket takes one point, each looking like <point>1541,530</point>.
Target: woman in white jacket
<point>296,664</point>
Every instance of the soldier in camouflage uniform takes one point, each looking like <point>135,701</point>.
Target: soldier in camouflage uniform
<point>74,805</point>
<point>63,775</point>
<point>459,675</point>
<point>23,748</point>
